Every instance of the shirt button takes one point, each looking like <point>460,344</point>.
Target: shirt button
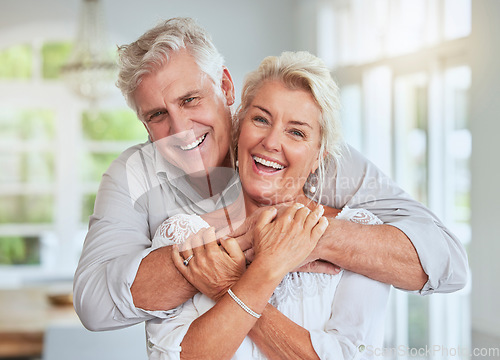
<point>361,348</point>
<point>150,344</point>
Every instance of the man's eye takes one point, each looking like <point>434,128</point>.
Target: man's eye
<point>157,116</point>
<point>188,100</point>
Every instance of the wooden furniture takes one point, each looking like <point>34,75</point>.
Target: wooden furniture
<point>25,314</point>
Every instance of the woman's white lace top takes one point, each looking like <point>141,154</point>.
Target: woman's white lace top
<point>344,313</point>
<point>177,229</point>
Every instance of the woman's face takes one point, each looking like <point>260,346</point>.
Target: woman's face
<point>279,143</point>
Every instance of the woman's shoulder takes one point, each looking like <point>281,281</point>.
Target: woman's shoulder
<point>360,216</point>
<point>176,229</point>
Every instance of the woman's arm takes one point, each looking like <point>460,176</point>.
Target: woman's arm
<point>356,322</point>
<point>355,326</point>
<point>278,337</point>
<point>282,246</point>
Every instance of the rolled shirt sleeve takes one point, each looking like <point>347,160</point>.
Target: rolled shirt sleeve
<point>358,183</point>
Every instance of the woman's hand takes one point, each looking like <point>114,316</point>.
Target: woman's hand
<point>283,240</point>
<point>213,269</point>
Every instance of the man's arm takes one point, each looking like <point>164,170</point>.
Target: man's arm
<point>158,284</point>
<point>381,252</point>
<point>117,245</point>
<point>412,240</point>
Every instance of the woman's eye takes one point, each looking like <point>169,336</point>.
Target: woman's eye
<point>260,120</point>
<point>297,133</point>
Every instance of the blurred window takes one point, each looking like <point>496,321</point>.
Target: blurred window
<point>17,62</point>
<point>54,148</point>
<point>405,90</point>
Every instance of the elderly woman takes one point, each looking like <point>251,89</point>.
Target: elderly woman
<point>287,130</point>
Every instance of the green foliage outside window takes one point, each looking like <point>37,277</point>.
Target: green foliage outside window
<point>95,164</point>
<point>116,125</point>
<point>35,167</point>
<point>27,124</point>
<point>88,207</point>
<point>31,133</point>
<point>16,250</point>
<point>54,56</point>
<point>105,126</point>
<point>20,208</point>
<point>16,62</point>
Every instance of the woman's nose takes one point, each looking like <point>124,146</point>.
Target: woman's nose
<point>272,140</point>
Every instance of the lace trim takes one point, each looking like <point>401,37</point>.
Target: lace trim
<point>176,229</point>
<point>360,216</point>
<point>296,285</point>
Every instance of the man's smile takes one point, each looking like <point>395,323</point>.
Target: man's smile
<point>194,144</point>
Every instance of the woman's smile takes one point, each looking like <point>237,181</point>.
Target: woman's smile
<point>266,166</point>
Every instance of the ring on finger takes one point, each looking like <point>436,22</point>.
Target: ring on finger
<point>186,261</point>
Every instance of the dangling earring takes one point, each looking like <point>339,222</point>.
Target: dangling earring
<point>312,182</point>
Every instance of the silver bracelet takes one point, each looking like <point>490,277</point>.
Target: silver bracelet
<point>243,305</point>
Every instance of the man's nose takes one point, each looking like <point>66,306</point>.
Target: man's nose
<point>180,123</point>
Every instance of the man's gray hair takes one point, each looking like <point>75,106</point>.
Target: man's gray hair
<point>301,70</point>
<point>153,49</point>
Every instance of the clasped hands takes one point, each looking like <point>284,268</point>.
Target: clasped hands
<point>277,240</point>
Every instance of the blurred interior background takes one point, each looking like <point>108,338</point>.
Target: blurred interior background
<point>420,87</point>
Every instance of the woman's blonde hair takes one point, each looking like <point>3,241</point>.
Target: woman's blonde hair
<point>300,70</point>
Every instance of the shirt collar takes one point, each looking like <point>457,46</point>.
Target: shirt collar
<point>179,182</point>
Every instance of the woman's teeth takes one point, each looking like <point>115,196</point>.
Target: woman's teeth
<point>268,163</point>
<point>194,143</point>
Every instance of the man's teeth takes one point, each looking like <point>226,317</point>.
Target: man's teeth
<point>194,143</point>
<point>268,163</point>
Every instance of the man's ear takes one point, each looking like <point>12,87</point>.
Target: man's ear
<point>227,86</point>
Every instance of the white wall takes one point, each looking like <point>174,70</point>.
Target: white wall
<point>485,126</point>
<point>244,31</point>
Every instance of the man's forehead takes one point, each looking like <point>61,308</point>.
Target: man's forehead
<point>172,83</point>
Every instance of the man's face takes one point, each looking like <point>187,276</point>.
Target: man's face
<point>186,114</point>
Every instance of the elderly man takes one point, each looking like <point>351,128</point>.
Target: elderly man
<point>175,80</point>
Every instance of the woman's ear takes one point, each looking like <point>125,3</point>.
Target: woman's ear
<point>315,164</point>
